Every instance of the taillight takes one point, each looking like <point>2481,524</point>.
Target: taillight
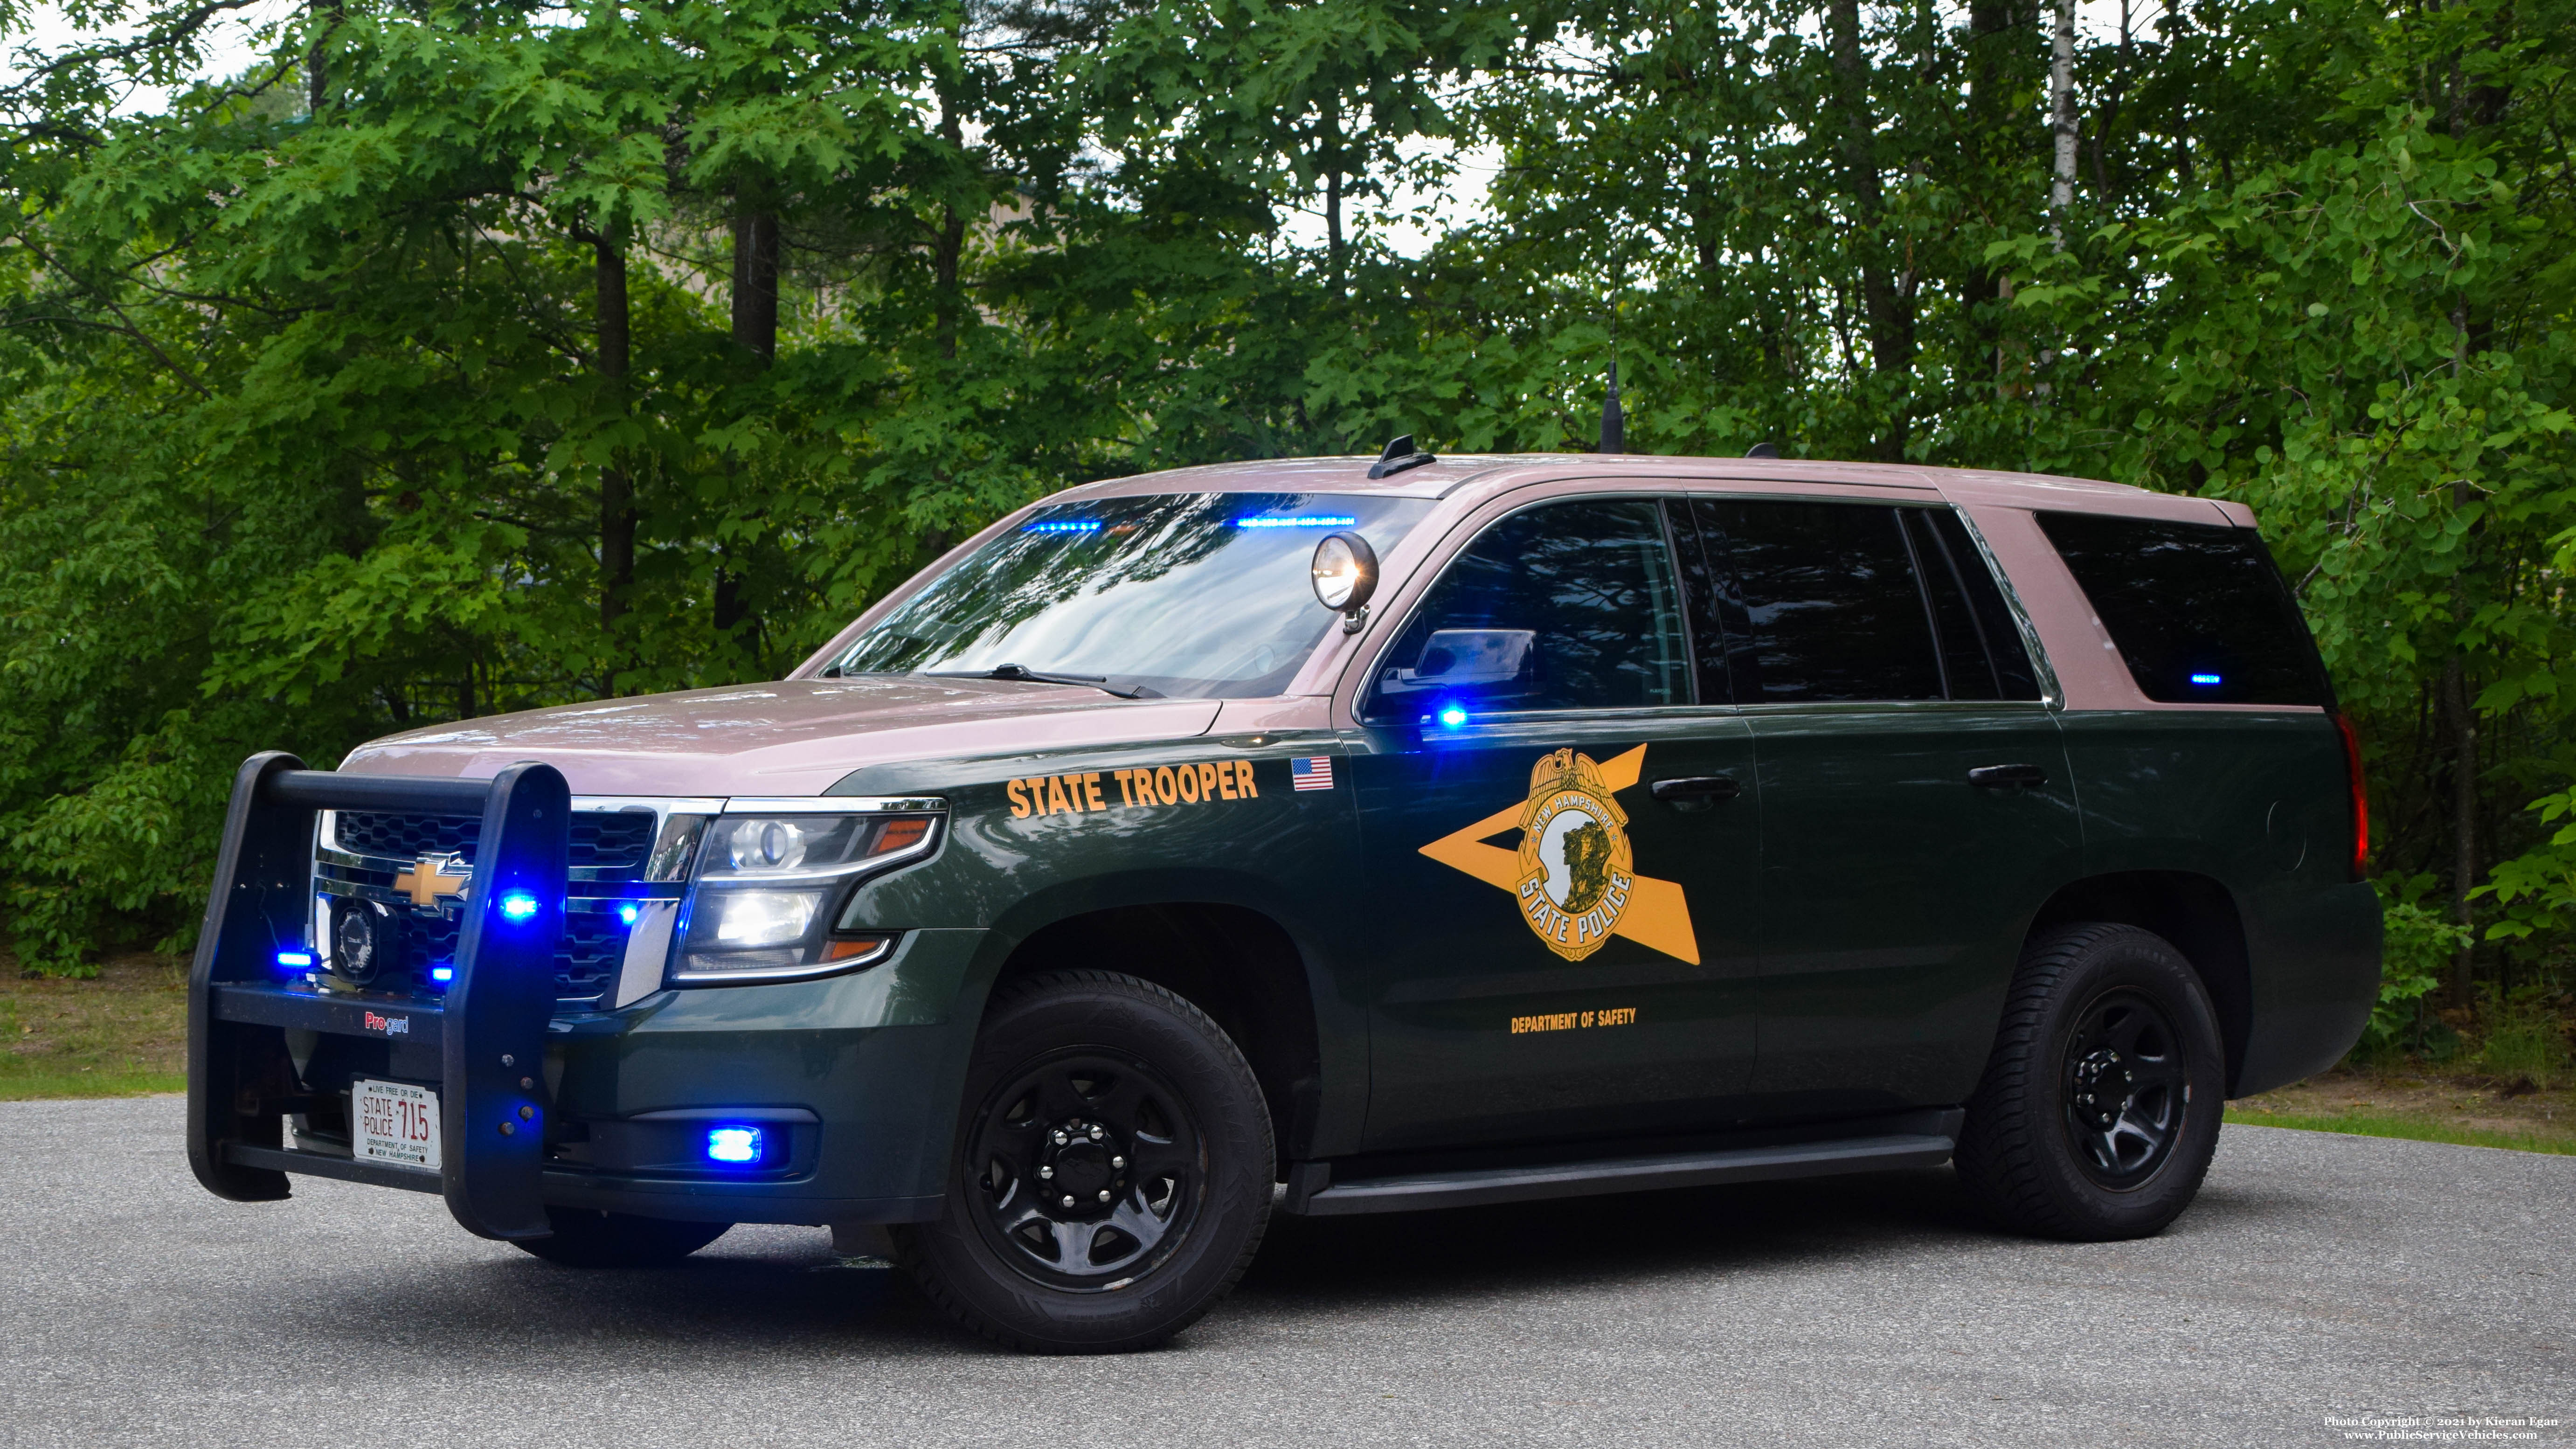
<point>2360,796</point>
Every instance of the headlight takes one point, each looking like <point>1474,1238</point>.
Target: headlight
<point>771,880</point>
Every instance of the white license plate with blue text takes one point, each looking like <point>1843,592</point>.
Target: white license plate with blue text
<point>395,1122</point>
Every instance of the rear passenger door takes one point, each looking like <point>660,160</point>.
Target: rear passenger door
<point>1916,802</point>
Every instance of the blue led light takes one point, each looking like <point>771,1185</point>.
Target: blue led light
<point>2204,679</point>
<point>628,912</point>
<point>442,973</point>
<point>733,1144</point>
<point>1316,520</point>
<point>1063,525</point>
<point>1452,716</point>
<point>297,959</point>
<point>518,905</point>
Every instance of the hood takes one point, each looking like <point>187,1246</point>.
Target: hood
<point>790,738</point>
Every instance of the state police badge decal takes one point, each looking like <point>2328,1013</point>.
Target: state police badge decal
<point>1577,870</point>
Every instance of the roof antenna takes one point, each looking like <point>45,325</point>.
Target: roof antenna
<point>1400,454</point>
<point>1614,425</point>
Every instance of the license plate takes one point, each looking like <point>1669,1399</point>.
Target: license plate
<point>397,1122</point>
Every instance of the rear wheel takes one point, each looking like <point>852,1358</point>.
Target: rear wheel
<point>2100,1107</point>
<point>584,1238</point>
<point>1113,1173</point>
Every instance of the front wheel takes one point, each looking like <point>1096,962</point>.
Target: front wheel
<point>1113,1171</point>
<point>2100,1106</point>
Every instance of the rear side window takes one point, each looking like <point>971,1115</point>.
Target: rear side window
<point>2199,611</point>
<point>1817,602</point>
<point>1981,650</point>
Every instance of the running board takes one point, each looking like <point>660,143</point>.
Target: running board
<point>1314,1192</point>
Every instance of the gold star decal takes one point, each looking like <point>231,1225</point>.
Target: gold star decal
<point>1658,913</point>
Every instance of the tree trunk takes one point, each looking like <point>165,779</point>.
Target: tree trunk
<point>755,284</point>
<point>2464,815</point>
<point>616,491</point>
<point>2061,114</point>
<point>1332,159</point>
<point>1885,304</point>
<point>949,251</point>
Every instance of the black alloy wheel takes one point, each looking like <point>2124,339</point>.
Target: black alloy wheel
<point>1087,1169</point>
<point>2100,1106</point>
<point>2125,1086</point>
<point>1113,1172</point>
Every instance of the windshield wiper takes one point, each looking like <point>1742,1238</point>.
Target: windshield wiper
<point>1021,673</point>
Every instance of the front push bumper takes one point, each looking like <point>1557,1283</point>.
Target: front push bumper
<point>852,1080</point>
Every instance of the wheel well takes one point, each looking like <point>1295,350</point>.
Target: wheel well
<point>2193,912</point>
<point>1236,964</point>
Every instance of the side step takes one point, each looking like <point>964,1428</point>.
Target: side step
<point>1317,1190</point>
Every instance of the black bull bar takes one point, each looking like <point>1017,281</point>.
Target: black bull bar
<point>485,1041</point>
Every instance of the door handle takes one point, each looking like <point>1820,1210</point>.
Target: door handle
<point>1697,787</point>
<point>1997,777</point>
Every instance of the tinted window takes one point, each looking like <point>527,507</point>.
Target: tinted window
<point>1199,595</point>
<point>1818,602</point>
<point>1563,606</point>
<point>2198,611</point>
<point>1981,650</point>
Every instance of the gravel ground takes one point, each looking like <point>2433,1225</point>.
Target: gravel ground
<point>2318,1277</point>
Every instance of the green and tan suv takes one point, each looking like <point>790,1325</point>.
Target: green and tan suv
<point>1335,836</point>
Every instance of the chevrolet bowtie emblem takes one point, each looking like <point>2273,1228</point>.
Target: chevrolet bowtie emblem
<point>427,880</point>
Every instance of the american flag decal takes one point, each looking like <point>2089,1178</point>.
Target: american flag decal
<point>1315,773</point>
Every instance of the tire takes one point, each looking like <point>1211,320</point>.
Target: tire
<point>584,1238</point>
<point>1113,1170</point>
<point>2100,1107</point>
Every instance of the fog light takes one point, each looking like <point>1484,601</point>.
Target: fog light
<point>733,1144</point>
<point>518,905</point>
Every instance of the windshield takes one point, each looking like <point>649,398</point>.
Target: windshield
<point>1189,595</point>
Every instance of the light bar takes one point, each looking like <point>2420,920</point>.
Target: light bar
<point>2204,679</point>
<point>442,973</point>
<point>1063,525</point>
<point>1318,520</point>
<point>733,1144</point>
<point>1452,716</point>
<point>296,959</point>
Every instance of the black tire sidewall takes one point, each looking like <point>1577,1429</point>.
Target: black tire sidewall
<point>2058,1197</point>
<point>1120,1015</point>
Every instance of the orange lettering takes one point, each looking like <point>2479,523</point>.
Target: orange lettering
<point>1207,782</point>
<point>1019,801</point>
<point>1243,779</point>
<point>1091,792</point>
<point>1167,791</point>
<point>1055,795</point>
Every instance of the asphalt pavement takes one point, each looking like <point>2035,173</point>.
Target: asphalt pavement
<point>2318,1278</point>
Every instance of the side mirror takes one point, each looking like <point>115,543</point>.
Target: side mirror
<point>1345,576</point>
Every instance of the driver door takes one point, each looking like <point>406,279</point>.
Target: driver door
<point>1558,951</point>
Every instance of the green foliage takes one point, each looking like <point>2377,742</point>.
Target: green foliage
<point>2418,949</point>
<point>479,356</point>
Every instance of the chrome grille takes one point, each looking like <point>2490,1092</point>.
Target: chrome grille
<point>364,851</point>
<point>601,839</point>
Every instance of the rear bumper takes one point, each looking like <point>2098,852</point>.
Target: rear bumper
<point>2315,958</point>
<point>858,1075</point>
